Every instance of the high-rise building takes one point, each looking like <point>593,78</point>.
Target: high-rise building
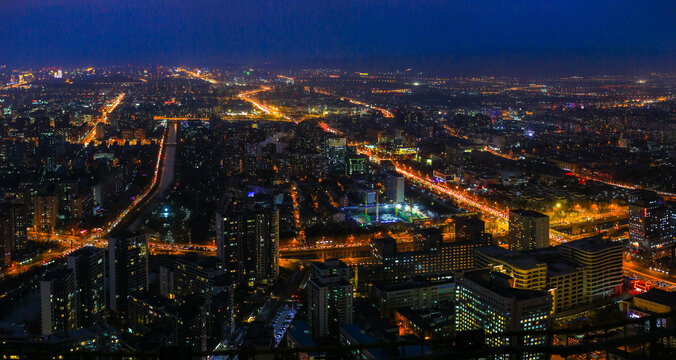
<point>7,242</point>
<point>13,230</point>
<point>575,273</point>
<point>58,302</point>
<point>528,230</point>
<point>45,209</point>
<point>179,322</point>
<point>335,150</point>
<point>416,294</point>
<point>526,272</point>
<point>649,224</point>
<point>19,215</point>
<point>485,300</point>
<point>88,266</point>
<point>128,267</point>
<point>247,241</point>
<point>468,228</point>
<point>356,165</point>
<point>438,259</point>
<point>394,187</point>
<point>193,274</point>
<point>329,304</point>
<point>601,261</point>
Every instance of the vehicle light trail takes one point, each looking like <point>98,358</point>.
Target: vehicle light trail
<point>246,96</point>
<point>109,108</point>
<point>198,76</point>
<point>386,113</point>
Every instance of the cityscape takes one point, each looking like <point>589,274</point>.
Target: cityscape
<point>285,209</point>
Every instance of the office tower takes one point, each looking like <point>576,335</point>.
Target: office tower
<point>394,187</point>
<point>128,266</point>
<point>45,209</point>
<point>356,165</point>
<point>69,200</point>
<point>58,302</point>
<point>13,230</point>
<point>468,228</point>
<point>19,214</point>
<point>526,272</point>
<point>247,241</point>
<point>542,269</point>
<point>329,304</point>
<point>179,322</point>
<point>438,260</point>
<point>193,274</point>
<point>485,300</point>
<point>601,261</point>
<point>335,150</point>
<point>649,224</point>
<point>88,266</point>
<point>528,230</point>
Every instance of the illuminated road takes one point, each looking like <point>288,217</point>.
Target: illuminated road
<point>652,275</point>
<point>166,178</point>
<point>197,75</point>
<point>12,86</point>
<point>109,108</point>
<point>581,176</point>
<point>246,96</point>
<point>141,198</point>
<point>386,113</point>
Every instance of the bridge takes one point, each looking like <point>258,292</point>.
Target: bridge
<point>339,252</point>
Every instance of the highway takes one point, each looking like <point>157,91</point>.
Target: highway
<point>246,96</point>
<point>655,276</point>
<point>386,113</point>
<point>196,75</point>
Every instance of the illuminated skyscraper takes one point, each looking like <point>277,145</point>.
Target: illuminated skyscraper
<point>45,209</point>
<point>649,224</point>
<point>58,302</point>
<point>128,266</point>
<point>7,241</point>
<point>485,300</point>
<point>528,230</point>
<point>247,241</point>
<point>335,151</point>
<point>88,266</point>
<point>329,304</point>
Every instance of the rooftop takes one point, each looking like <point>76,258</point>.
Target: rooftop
<point>511,257</point>
<point>592,244</point>
<point>659,296</point>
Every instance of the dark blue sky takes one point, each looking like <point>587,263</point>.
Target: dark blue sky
<point>60,32</point>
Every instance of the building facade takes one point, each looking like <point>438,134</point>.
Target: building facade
<point>528,230</point>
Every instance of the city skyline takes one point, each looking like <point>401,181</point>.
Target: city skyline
<point>610,36</point>
<point>337,180</point>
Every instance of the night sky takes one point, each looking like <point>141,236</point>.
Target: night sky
<point>101,32</point>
